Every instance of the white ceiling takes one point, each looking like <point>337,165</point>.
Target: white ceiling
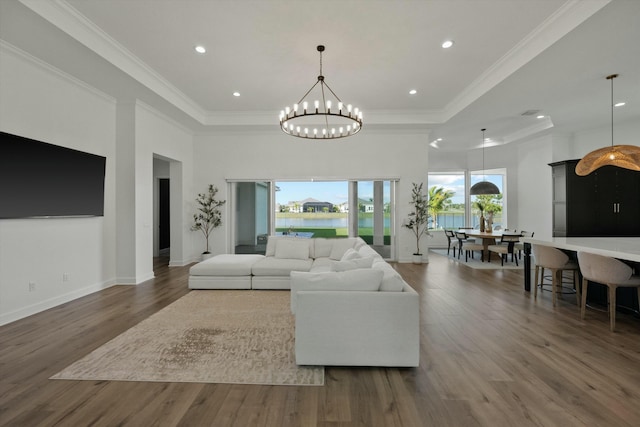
<point>509,56</point>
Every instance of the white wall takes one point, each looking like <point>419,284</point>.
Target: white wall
<point>157,135</point>
<point>39,102</point>
<point>274,155</point>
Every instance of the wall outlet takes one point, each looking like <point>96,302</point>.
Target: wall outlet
<point>65,277</point>
<point>32,286</point>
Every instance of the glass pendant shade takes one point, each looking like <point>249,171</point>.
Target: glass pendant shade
<point>483,187</point>
<point>621,156</point>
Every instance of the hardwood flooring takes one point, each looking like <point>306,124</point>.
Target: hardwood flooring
<point>490,356</point>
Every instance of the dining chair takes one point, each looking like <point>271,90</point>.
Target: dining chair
<point>505,247</point>
<point>607,271</point>
<point>556,261</point>
<point>468,246</point>
<point>520,245</point>
<point>450,239</point>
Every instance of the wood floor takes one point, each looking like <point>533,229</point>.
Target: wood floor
<point>490,356</point>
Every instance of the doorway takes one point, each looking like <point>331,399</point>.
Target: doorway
<point>164,217</point>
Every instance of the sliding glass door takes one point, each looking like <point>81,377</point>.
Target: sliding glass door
<point>332,209</point>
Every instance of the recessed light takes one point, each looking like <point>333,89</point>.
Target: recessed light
<point>439,139</point>
<point>620,104</point>
<point>236,93</point>
<point>447,44</point>
<point>413,92</point>
<point>540,117</point>
<point>200,49</point>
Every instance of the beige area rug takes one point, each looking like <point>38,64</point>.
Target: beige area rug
<point>207,336</point>
<point>476,263</point>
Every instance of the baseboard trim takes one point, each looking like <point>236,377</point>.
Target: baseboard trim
<point>47,304</point>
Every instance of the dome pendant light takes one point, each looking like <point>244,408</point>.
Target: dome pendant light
<point>319,120</point>
<point>622,156</point>
<point>483,187</point>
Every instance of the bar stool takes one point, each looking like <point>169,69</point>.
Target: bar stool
<point>556,261</point>
<point>610,272</point>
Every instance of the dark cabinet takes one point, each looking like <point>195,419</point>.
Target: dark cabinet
<point>604,203</point>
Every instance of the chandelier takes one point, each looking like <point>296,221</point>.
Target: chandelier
<point>483,187</point>
<point>622,156</point>
<point>323,119</point>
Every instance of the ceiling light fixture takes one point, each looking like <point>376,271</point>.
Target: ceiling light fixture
<point>321,122</point>
<point>447,44</point>
<point>619,104</point>
<point>622,156</point>
<point>413,92</point>
<point>236,94</point>
<point>200,49</point>
<point>483,187</point>
<point>540,117</point>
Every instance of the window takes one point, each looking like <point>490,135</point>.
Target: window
<point>493,204</point>
<point>446,200</point>
<point>449,199</point>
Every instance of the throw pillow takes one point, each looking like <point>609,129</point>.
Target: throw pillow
<point>352,264</point>
<point>292,249</point>
<point>340,246</point>
<point>350,254</point>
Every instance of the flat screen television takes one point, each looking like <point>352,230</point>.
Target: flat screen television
<point>39,180</point>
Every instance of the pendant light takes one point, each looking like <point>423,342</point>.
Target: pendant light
<point>483,187</point>
<point>319,120</point>
<point>622,156</point>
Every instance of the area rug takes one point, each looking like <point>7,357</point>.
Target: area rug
<point>477,263</point>
<point>207,336</point>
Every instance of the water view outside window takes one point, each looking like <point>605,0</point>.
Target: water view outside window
<point>492,204</point>
<point>447,194</point>
<point>374,212</point>
<point>312,209</point>
<point>447,212</point>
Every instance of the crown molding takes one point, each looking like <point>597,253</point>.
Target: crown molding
<point>563,21</point>
<point>66,18</point>
<point>9,49</point>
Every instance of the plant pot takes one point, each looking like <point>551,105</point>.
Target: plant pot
<point>417,258</point>
<point>206,255</point>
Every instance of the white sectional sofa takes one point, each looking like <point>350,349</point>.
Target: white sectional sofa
<point>351,307</point>
<point>271,271</point>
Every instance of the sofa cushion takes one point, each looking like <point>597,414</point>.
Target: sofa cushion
<point>272,242</point>
<point>340,246</point>
<point>365,279</point>
<point>226,265</point>
<point>391,279</point>
<point>321,264</point>
<point>322,247</point>
<point>350,254</point>
<point>271,266</point>
<point>352,264</point>
<point>292,249</point>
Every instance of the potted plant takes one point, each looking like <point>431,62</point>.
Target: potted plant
<point>209,216</point>
<point>418,218</point>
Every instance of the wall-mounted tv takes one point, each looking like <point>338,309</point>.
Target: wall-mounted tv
<point>39,180</point>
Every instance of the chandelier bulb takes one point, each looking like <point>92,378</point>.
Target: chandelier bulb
<point>301,111</point>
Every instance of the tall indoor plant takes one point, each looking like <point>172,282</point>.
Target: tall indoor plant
<point>418,218</point>
<point>209,215</point>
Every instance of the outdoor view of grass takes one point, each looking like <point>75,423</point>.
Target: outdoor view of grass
<point>322,208</point>
<point>329,230</point>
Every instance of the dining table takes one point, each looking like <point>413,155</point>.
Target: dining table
<point>488,238</point>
